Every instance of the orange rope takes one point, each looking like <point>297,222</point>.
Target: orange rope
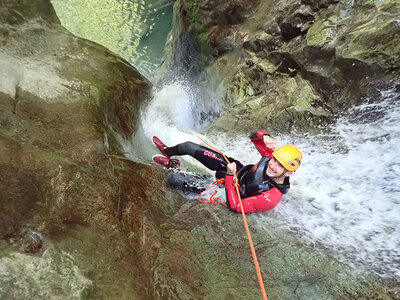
<point>253,251</point>
<point>212,198</point>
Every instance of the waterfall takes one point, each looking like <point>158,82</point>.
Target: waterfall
<point>344,198</point>
<point>175,115</point>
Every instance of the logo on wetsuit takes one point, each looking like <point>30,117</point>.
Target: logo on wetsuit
<point>266,197</point>
<point>212,155</point>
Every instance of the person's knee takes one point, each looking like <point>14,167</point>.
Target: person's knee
<point>188,148</point>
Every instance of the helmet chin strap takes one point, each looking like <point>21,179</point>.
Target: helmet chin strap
<point>280,176</point>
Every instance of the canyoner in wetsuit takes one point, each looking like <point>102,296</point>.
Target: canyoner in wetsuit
<point>261,185</point>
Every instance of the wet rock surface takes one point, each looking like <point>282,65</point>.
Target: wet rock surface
<point>51,275</point>
<point>220,266</point>
<point>61,97</point>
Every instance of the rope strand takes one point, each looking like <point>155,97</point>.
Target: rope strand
<point>212,198</point>
<point>253,251</point>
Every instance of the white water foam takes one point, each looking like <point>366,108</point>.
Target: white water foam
<point>346,195</point>
<point>172,115</point>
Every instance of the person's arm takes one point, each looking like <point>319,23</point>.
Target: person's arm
<point>265,201</point>
<point>258,134</point>
<point>263,142</point>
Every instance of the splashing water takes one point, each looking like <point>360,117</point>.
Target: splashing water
<point>346,195</point>
<point>173,116</point>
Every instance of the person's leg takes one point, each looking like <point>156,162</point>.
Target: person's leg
<point>208,157</point>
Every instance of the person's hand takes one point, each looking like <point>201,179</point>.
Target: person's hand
<point>269,142</point>
<point>230,168</point>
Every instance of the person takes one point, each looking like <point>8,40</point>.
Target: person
<point>262,185</point>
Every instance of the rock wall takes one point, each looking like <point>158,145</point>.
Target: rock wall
<point>205,255</point>
<point>63,102</point>
<point>288,64</point>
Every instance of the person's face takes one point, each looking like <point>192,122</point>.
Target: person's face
<point>276,170</point>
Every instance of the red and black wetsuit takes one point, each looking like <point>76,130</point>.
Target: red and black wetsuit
<point>257,190</point>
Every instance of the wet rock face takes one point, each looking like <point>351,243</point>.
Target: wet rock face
<point>205,254</point>
<point>25,276</point>
<point>340,51</point>
<point>197,31</point>
<point>18,11</point>
<point>60,97</point>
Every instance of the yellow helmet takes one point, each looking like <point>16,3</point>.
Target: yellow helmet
<point>289,156</point>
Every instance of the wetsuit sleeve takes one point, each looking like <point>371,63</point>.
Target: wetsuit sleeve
<point>265,201</point>
<point>257,139</point>
<point>258,134</point>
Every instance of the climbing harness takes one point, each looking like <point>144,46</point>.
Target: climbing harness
<point>253,251</point>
